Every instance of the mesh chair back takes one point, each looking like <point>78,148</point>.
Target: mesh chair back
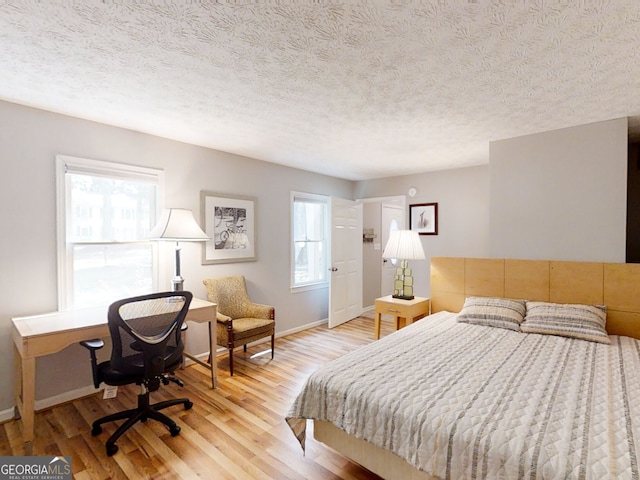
<point>146,332</point>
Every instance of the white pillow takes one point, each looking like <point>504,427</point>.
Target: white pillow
<point>584,322</point>
<point>493,312</point>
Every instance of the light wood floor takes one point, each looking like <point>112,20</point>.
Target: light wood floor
<point>234,432</point>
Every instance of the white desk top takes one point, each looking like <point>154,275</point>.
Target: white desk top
<point>58,322</point>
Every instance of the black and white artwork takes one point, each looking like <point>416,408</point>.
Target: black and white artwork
<point>423,218</point>
<point>230,223</point>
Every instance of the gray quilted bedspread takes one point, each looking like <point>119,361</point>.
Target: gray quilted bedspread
<point>462,401</point>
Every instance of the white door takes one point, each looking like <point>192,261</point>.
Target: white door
<point>392,218</point>
<point>345,279</point>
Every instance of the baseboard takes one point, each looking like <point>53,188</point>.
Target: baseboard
<point>69,396</point>
<point>7,415</point>
<point>65,397</point>
<point>221,350</point>
<point>301,328</point>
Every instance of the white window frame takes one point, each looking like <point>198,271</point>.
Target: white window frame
<point>325,200</point>
<point>68,164</point>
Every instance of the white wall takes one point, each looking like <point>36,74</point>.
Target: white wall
<point>560,195</point>
<point>463,213</point>
<point>29,141</point>
<point>554,195</point>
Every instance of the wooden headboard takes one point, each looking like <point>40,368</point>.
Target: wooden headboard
<point>616,285</point>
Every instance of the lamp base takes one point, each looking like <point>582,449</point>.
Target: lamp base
<point>403,297</point>
<point>403,283</point>
<point>177,284</point>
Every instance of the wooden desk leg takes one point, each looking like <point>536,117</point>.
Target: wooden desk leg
<point>27,401</point>
<point>17,382</point>
<point>377,325</point>
<point>183,334</point>
<point>213,346</point>
<point>211,363</point>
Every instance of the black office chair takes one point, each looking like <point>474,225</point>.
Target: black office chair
<point>147,346</point>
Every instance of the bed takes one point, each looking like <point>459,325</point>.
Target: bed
<point>450,397</point>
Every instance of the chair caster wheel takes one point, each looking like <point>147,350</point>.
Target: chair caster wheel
<point>97,430</point>
<point>111,450</point>
<point>174,431</point>
<point>188,405</point>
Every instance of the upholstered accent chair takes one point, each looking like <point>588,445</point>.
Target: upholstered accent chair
<point>240,321</point>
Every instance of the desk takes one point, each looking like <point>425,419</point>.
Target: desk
<point>40,335</point>
<point>407,310</point>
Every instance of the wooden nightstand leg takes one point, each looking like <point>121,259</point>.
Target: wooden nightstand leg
<point>377,325</point>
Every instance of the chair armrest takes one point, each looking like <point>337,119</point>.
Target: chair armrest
<point>257,310</point>
<point>93,345</point>
<point>252,310</point>
<point>222,318</point>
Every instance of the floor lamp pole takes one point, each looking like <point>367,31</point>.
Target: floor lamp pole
<point>177,281</point>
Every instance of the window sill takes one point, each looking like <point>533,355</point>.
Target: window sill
<point>309,287</point>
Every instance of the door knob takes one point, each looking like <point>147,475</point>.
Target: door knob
<point>333,269</point>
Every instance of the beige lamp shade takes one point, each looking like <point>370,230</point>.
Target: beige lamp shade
<point>178,224</point>
<point>404,245</point>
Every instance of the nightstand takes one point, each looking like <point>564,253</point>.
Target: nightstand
<point>404,311</point>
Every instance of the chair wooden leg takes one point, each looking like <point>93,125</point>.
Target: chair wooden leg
<point>273,344</point>
<point>230,346</point>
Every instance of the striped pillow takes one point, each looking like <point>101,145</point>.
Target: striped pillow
<point>493,312</point>
<point>584,322</point>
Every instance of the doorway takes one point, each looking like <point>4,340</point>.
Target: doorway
<point>372,249</point>
<point>391,219</point>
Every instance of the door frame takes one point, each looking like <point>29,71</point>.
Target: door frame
<point>388,267</point>
<point>400,200</point>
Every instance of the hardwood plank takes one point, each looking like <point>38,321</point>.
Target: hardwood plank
<point>235,432</point>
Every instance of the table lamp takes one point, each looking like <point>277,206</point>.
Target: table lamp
<point>178,224</point>
<point>403,245</point>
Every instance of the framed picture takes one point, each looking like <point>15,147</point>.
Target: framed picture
<point>423,218</point>
<point>230,222</point>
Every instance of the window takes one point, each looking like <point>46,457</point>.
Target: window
<point>309,261</point>
<point>105,211</point>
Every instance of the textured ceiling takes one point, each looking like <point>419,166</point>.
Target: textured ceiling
<point>354,89</point>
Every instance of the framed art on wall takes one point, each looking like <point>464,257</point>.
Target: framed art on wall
<point>230,222</point>
<point>423,218</point>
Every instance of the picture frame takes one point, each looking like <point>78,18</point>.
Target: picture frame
<point>423,218</point>
<point>230,223</point>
